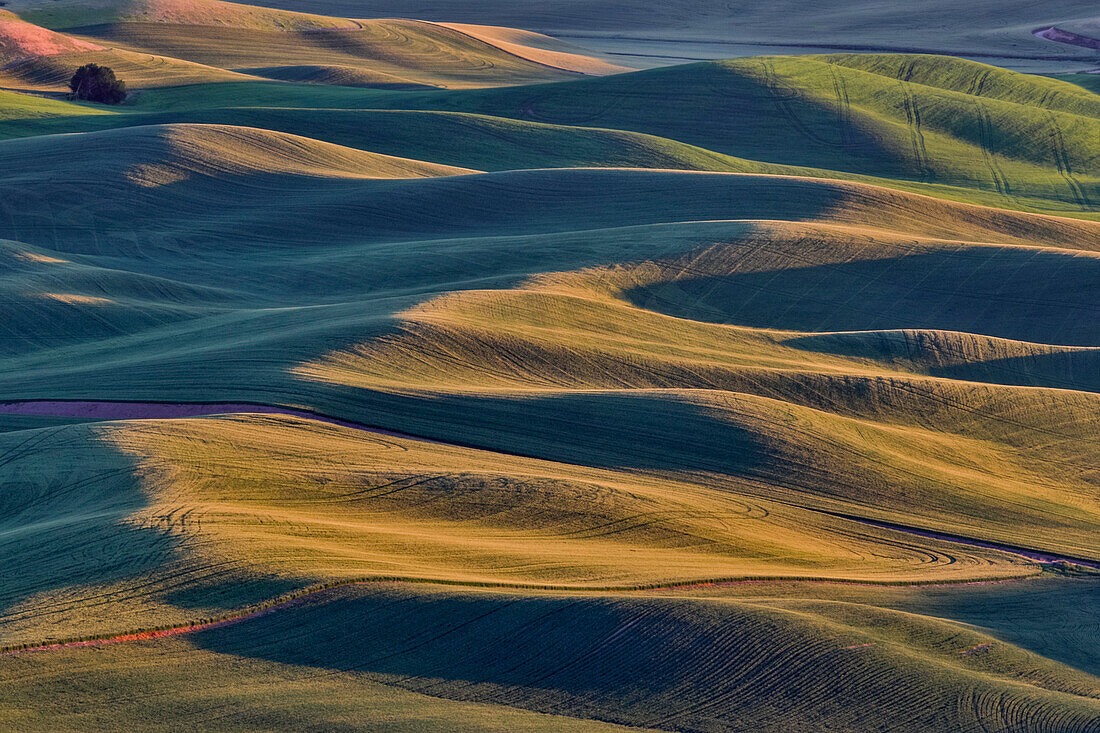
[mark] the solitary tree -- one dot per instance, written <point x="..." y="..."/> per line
<point x="96" y="83"/>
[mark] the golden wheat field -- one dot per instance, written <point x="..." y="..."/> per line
<point x="505" y="366"/>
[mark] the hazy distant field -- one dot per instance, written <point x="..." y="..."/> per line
<point x="408" y="368"/>
<point x="647" y="34"/>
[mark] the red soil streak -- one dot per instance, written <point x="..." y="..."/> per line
<point x="144" y="635"/>
<point x="189" y="628"/>
<point x="977" y="649"/>
<point x="1053" y="33"/>
<point x="860" y="646"/>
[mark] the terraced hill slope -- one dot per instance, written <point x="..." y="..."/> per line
<point x="755" y="394"/>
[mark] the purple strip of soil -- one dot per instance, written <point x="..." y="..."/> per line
<point x="1058" y="35"/>
<point x="106" y="410"/>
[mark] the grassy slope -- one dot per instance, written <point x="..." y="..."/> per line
<point x="225" y="691"/>
<point x="943" y="126"/>
<point x="654" y="663"/>
<point x="987" y="25"/>
<point x="183" y="152"/>
<point x="22" y="109"/>
<point x="481" y="141"/>
<point x="51" y="74"/>
<point x="145" y="299"/>
<point x="205" y="41"/>
<point x="69" y="14"/>
<point x="34" y="58"/>
<point x="1087" y="81"/>
<point x="651" y="34"/>
<point x="195" y="528"/>
<point x="706" y="368"/>
<point x="1011" y="612"/>
<point x="452" y="138"/>
<point x="905" y="117"/>
<point x="538" y="48"/>
<point x="403" y="51"/>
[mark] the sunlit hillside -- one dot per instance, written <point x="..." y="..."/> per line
<point x="427" y="373"/>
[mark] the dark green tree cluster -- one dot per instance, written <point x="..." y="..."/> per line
<point x="94" y="83"/>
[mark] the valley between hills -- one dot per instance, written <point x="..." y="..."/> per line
<point x="469" y="367"/>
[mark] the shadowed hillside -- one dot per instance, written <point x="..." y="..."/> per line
<point x="659" y="664"/>
<point x="574" y="364"/>
<point x="754" y="394"/>
<point x="942" y="126"/>
<point x="914" y="117"/>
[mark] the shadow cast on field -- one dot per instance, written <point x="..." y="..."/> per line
<point x="1078" y="370"/>
<point x="63" y="523"/>
<point x="1041" y="297"/>
<point x="599" y="658"/>
<point x="1055" y="618"/>
<point x="69" y="548"/>
<point x="957" y="356"/>
<point x="640" y="429"/>
<point x="673" y="664"/>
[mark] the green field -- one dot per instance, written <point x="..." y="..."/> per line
<point x="656" y="34"/>
<point x="934" y="125"/>
<point x="454" y="378"/>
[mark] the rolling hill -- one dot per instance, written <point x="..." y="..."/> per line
<point x="485" y="659"/>
<point x="655" y="34"/>
<point x="945" y="127"/>
<point x="387" y="53"/>
<point x="904" y="117"/>
<point x="460" y="335"/>
<point x="752" y="394"/>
